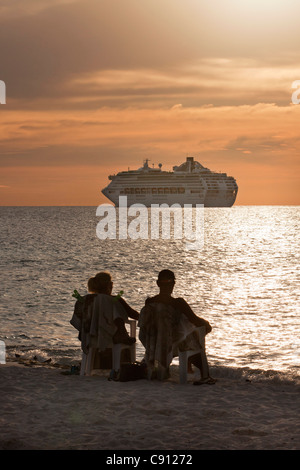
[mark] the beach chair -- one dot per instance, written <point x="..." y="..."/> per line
<point x="163" y="334"/>
<point x="184" y="356"/>
<point x="87" y="362"/>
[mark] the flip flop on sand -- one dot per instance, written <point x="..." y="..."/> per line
<point x="208" y="380"/>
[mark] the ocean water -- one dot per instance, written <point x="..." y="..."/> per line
<point x="244" y="281"/>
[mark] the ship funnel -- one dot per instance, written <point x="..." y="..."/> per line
<point x="190" y="163"/>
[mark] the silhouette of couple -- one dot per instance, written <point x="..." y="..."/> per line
<point x="177" y="321"/>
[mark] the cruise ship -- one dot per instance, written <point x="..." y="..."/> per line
<point x="188" y="183"/>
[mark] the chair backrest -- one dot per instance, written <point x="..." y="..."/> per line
<point x="100" y="329"/>
<point x="157" y="332"/>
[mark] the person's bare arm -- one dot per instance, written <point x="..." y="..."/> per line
<point x="129" y="310"/>
<point x="191" y="316"/>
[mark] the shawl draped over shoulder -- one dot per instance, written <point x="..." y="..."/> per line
<point x="163" y="332"/>
<point x="94" y="317"/>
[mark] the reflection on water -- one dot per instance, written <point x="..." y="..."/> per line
<point x="244" y="281"/>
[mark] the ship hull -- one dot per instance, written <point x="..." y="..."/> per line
<point x="220" y="200"/>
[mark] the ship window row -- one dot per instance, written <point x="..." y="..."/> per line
<point x="153" y="191"/>
<point x="211" y="192"/>
<point x="215" y="192"/>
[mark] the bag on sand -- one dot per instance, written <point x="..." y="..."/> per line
<point x="132" y="371"/>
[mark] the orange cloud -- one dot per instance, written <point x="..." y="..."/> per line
<point x="253" y="143"/>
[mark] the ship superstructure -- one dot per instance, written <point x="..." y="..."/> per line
<point x="189" y="183"/>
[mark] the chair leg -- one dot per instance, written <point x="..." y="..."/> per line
<point x="83" y="364"/>
<point x="132" y="353"/>
<point x="133" y="335"/>
<point x="149" y="372"/>
<point x="87" y="362"/>
<point x="116" y="356"/>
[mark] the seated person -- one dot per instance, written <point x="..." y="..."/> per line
<point x="102" y="284"/>
<point x="176" y="323"/>
<point x="113" y="325"/>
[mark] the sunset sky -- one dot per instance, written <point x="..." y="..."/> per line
<point x="96" y="86"/>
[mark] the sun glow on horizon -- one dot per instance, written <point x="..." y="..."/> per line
<point x="158" y="81"/>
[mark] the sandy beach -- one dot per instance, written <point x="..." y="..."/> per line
<point x="44" y="407"/>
